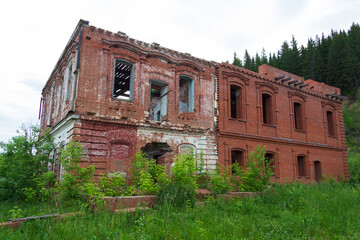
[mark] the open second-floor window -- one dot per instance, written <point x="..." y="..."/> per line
<point x="69" y="82"/>
<point x="123" y="80"/>
<point x="186" y="94"/>
<point x="298" y="116"/>
<point x="235" y="102"/>
<point x="330" y="123"/>
<point x="267" y="111"/>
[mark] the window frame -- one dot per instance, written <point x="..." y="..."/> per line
<point x="304" y="167"/>
<point x="270" y="116"/>
<point x="296" y="97"/>
<point x="131" y="84"/>
<point x="243" y="157"/>
<point x="191" y="90"/>
<point x="331" y="129"/>
<point x="241" y="98"/>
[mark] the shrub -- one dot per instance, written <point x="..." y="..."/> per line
<point x="146" y="174"/>
<point x="76" y="180"/>
<point x="184" y="170"/>
<point x="220" y="182"/>
<point x="113" y="184"/>
<point x="257" y="174"/>
<point x="23" y="160"/>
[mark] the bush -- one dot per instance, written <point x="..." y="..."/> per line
<point x="23" y="160"/>
<point x="257" y="173"/>
<point x="220" y="182"/>
<point x="184" y="171"/>
<point x="146" y="174"/>
<point x="76" y="181"/>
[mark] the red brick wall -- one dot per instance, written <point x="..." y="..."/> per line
<point x="281" y="137"/>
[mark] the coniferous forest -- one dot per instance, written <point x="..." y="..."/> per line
<point x="333" y="59"/>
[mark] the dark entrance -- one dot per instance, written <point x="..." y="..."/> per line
<point x="318" y="173"/>
<point x="156" y="150"/>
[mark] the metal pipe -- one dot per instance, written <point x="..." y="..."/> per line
<point x="330" y="94"/>
<point x="297" y="84"/>
<point x="278" y="78"/>
<point x="291" y="82"/>
<point x="286" y="79"/>
<point x="304" y="85"/>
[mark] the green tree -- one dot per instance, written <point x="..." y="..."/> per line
<point x="23" y="160"/>
<point x="237" y="61"/>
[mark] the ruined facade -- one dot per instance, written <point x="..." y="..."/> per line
<point x="117" y="95"/>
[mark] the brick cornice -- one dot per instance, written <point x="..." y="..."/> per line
<point x="279" y="140"/>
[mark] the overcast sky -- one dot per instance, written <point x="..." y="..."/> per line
<point x="34" y="33"/>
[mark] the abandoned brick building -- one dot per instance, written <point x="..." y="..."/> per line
<point x="117" y="95"/>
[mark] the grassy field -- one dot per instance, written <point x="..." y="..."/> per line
<point x="321" y="211"/>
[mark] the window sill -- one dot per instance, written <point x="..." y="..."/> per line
<point x="122" y="100"/>
<point x="300" y="130"/>
<point x="237" y="119"/>
<point x="332" y="136"/>
<point x="269" y="125"/>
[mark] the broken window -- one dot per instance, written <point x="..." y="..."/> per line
<point x="267" y="108"/>
<point x="123" y="84"/>
<point x="235" y="102"/>
<point x="158" y="100"/>
<point x="301" y="166"/>
<point x="237" y="157"/>
<point x="298" y="116"/>
<point x="69" y="82"/>
<point x="186" y="94"/>
<point x="270" y="161"/>
<point x="330" y="122"/>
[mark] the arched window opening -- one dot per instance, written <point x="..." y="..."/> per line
<point x="235" y="102"/>
<point x="298" y="116"/>
<point x="331" y="123"/>
<point x="270" y="161"/>
<point x="301" y="163"/>
<point x="237" y="157"/>
<point x="267" y="108"/>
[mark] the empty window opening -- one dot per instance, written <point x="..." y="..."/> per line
<point x="69" y="82"/>
<point x="298" y="118"/>
<point x="267" y="108"/>
<point x="235" y="102"/>
<point x="301" y="166"/>
<point x="186" y="94"/>
<point x="270" y="161"/>
<point x="330" y="121"/>
<point x="122" y="80"/>
<point x="238" y="158"/>
<point x="318" y="172"/>
<point x="158" y="100"/>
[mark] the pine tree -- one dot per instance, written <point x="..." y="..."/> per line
<point x="237" y="61"/>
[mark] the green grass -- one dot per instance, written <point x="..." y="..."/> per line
<point x="321" y="211"/>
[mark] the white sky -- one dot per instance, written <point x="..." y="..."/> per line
<point x="34" y="33"/>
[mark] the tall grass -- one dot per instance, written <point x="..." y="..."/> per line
<point x="327" y="210"/>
